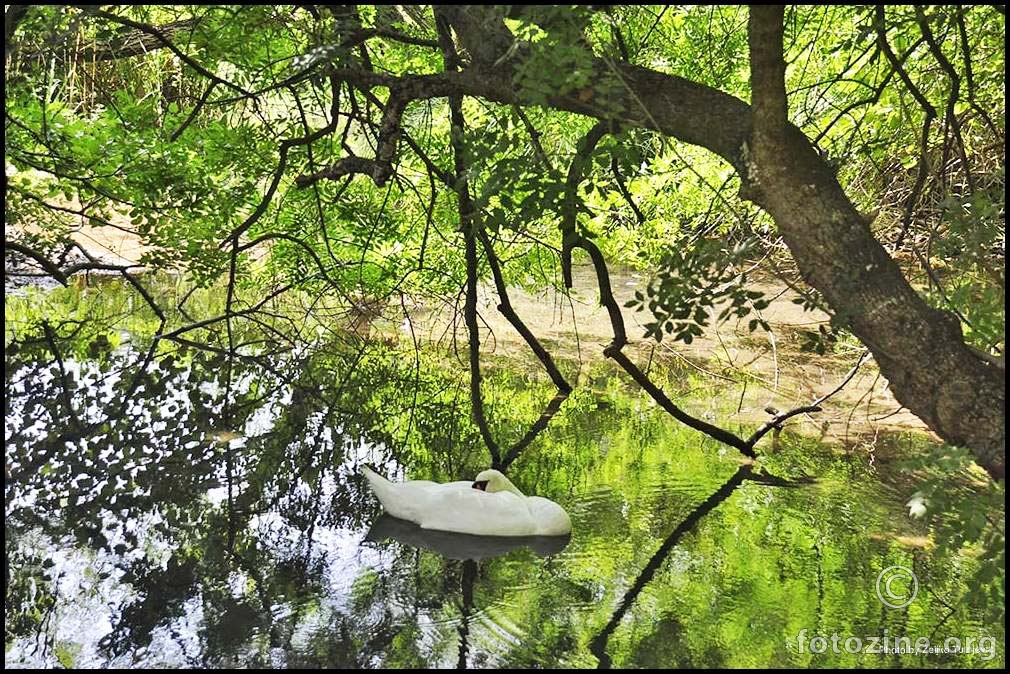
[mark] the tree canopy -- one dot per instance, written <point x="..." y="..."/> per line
<point x="374" y="153"/>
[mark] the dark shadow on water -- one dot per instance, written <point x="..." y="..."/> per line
<point x="746" y="472"/>
<point x="466" y="588"/>
<point x="461" y="546"/>
<point x="469" y="548"/>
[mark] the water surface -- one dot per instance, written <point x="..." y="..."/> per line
<point x="205" y="511"/>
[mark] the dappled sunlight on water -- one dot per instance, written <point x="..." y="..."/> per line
<point x="202" y="523"/>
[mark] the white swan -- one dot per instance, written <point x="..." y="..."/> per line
<point x="489" y="506"/>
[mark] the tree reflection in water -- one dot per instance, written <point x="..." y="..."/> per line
<point x="171" y="519"/>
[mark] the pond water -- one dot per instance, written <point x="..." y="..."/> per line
<point x="194" y="510"/>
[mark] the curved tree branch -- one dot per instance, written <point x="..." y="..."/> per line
<point x="43" y="261"/>
<point x="469" y="226"/>
<point x="623" y="189"/>
<point x="194" y="112"/>
<point x="929" y="114"/>
<point x="951" y="120"/>
<point x="920" y="350"/>
<point x="571" y="239"/>
<point x="969" y="76"/>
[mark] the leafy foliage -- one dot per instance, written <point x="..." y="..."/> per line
<point x="964" y="508"/>
<point x="236" y="368"/>
<point x="136" y="138"/>
<point x="686" y="289"/>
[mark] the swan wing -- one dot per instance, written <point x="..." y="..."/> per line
<point x="472" y="511"/>
<point x="406" y="500"/>
<point x="550" y="518"/>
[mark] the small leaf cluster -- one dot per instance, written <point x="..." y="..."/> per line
<point x="695" y="283"/>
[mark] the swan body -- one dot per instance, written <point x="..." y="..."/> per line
<point x="489" y="506"/>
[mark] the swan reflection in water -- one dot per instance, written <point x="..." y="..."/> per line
<point x="461" y="546"/>
<point x="468" y="547"/>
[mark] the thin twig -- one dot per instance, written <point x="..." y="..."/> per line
<point x="815" y="406"/>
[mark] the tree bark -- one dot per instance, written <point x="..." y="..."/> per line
<point x="919" y="349"/>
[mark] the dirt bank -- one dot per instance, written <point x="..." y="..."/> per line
<point x="755" y="370"/>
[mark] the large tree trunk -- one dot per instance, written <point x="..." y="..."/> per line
<point x="919" y="349"/>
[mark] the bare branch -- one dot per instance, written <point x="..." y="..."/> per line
<point x="615" y="29"/>
<point x="282" y="163"/>
<point x="572" y="239"/>
<point x="955" y="90"/>
<point x="468" y="226"/>
<point x="389" y="135"/>
<point x="815" y="406"/>
<point x="929" y="113"/>
<point x="536" y="429"/>
<point x="43" y="261"/>
<point x="623" y="189"/>
<point x="845" y="380"/>
<point x="505" y="307"/>
<point x="194" y="112"/>
<point x="767" y="68"/>
<point x="969" y="74"/>
<point x="534" y="135"/>
<point x="359" y="36"/>
<point x="342" y="167"/>
<point x="874" y="96"/>
<point x="270" y="236"/>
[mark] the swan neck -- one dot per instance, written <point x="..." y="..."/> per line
<point x="512" y="488"/>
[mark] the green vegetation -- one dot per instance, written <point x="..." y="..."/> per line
<point x="184" y="522"/>
<point x="309" y="148"/>
<point x="286" y="234"/>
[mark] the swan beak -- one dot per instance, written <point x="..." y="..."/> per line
<point x="482" y="485"/>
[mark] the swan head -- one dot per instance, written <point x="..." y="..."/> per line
<point x="492" y="481"/>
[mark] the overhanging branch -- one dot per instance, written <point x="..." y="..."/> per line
<point x="468" y="226"/>
<point x="572" y="239"/>
<point x="44" y="262"/>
